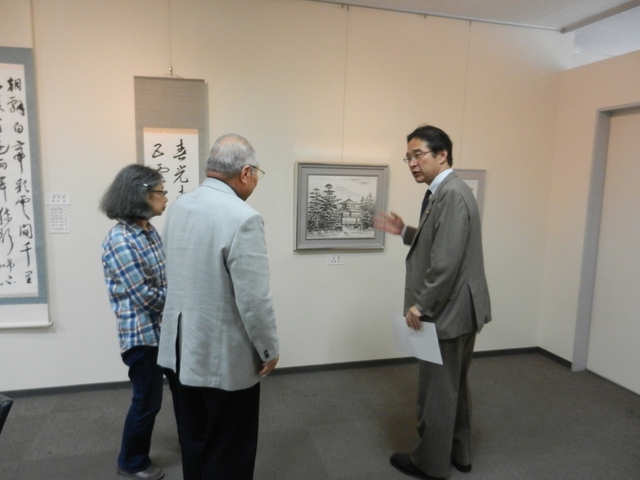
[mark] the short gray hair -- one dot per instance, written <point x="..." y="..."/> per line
<point x="229" y="154"/>
<point x="127" y="196"/>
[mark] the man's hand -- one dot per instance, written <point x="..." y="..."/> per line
<point x="413" y="318"/>
<point x="388" y="223"/>
<point x="266" y="369"/>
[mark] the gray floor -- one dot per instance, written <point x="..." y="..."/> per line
<point x="533" y="419"/>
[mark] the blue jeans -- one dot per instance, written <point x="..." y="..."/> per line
<point x="146" y="376"/>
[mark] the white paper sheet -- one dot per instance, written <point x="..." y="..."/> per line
<point x="422" y="344"/>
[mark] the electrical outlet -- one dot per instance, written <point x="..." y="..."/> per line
<point x="335" y="259"/>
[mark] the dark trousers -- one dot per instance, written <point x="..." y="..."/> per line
<point x="444" y="408"/>
<point x="218" y="431"/>
<point x="146" y="378"/>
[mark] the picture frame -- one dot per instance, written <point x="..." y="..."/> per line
<point x="476" y="181"/>
<point x="336" y="203"/>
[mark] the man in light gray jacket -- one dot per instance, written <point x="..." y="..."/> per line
<point x="218" y="332"/>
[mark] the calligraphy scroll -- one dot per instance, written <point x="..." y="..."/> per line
<point x="22" y="278"/>
<point x="18" y="258"/>
<point x="174" y="153"/>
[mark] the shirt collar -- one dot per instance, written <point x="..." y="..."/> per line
<point x="137" y="229"/>
<point x="438" y="180"/>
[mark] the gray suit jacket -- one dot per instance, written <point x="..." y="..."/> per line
<point x="219" y="306"/>
<point x="445" y="277"/>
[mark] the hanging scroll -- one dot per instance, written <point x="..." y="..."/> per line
<point x="18" y="258"/>
<point x="22" y="263"/>
<point x="172" y="133"/>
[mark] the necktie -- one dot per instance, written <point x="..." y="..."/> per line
<point x="424" y="202"/>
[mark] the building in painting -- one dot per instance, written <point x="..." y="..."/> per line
<point x="349" y="213"/>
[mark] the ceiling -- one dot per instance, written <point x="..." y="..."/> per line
<point x="603" y="28"/>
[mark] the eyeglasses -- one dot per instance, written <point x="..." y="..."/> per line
<point x="260" y="172"/>
<point x="148" y="187"/>
<point x="415" y="156"/>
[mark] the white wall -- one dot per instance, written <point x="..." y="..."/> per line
<point x="304" y="81"/>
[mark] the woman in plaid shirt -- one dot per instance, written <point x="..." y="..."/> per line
<point x="134" y="270"/>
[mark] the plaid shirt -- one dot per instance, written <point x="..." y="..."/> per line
<point x="134" y="270"/>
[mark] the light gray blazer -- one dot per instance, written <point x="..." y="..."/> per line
<point x="445" y="276"/>
<point x="219" y="309"/>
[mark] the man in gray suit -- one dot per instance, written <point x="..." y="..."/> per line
<point x="218" y="333"/>
<point x="445" y="284"/>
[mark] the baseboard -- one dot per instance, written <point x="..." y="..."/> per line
<point x="409" y="360"/>
<point x="90" y="387"/>
<point x="521" y="351"/>
<point x="554" y="357"/>
<point x="289" y="370"/>
<point x="344" y="365"/>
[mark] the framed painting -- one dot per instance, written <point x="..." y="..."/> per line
<point x="475" y="179"/>
<point x="336" y="203"/>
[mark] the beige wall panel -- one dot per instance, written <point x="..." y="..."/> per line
<point x="398" y="77"/>
<point x="15" y="24"/>
<point x="304" y="81"/>
<point x="509" y="116"/>
<point x="583" y="91"/>
<point x="86" y="55"/>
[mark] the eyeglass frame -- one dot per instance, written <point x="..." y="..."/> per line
<point x="415" y="156"/>
<point x="149" y="189"/>
<point x="261" y="173"/>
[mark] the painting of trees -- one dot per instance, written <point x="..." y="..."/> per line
<point x="314" y="212"/>
<point x="330" y="214"/>
<point x="336" y="205"/>
<point x="368" y="208"/>
<point x="322" y="212"/>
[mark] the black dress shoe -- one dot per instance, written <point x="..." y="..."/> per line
<point x="402" y="461"/>
<point x="461" y="468"/>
